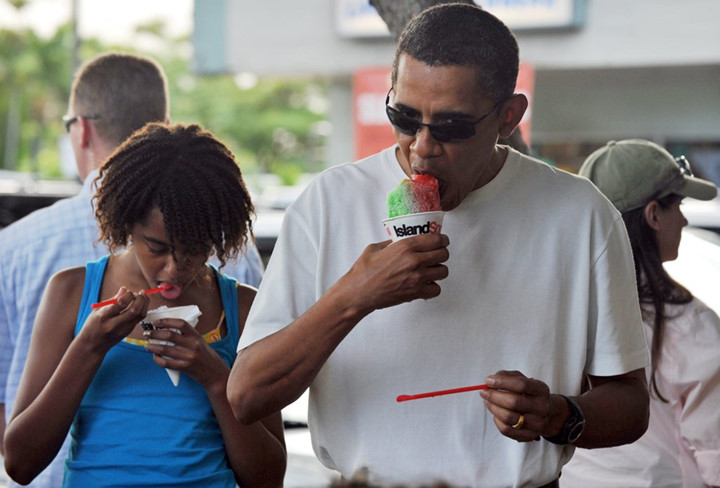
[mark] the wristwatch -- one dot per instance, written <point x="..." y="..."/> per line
<point x="573" y="426"/>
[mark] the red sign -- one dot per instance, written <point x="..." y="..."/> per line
<point x="373" y="131"/>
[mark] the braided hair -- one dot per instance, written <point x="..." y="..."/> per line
<point x="190" y="176"/>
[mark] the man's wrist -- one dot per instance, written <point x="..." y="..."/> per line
<point x="561" y="412"/>
<point x="573" y="425"/>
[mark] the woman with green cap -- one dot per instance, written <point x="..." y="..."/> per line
<point x="682" y="444"/>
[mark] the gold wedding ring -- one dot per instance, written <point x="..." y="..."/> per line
<point x="519" y="423"/>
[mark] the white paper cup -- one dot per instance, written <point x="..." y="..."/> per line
<point x="414" y="224"/>
<point x="189" y="313"/>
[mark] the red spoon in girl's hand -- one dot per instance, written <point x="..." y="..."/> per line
<point x="114" y="300"/>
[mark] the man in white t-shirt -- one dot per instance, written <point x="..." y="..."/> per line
<point x="538" y="291"/>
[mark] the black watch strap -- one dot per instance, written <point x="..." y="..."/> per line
<point x="572" y="428"/>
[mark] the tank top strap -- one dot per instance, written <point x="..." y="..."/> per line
<point x="94" y="273"/>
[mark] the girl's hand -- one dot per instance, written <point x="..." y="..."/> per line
<point x="189" y="354"/>
<point x="108" y="325"/>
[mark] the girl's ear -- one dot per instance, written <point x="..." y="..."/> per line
<point x="651" y="213"/>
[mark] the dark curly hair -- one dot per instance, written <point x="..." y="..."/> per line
<point x="190" y="176"/>
<point x="459" y="34"/>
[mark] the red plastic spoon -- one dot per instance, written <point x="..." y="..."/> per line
<point x="113" y="300"/>
<point x="404" y="398"/>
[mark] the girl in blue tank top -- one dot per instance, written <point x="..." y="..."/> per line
<point x="168" y="198"/>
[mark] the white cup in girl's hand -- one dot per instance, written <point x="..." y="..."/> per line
<point x="189" y="313"/>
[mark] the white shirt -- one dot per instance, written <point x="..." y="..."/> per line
<point x="681" y="447"/>
<point x="540" y="280"/>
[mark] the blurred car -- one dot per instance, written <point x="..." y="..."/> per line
<point x="266" y="229"/>
<point x="702" y="214"/>
<point x="22" y="193"/>
<point x="698" y="265"/>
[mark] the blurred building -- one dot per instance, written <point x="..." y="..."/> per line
<point x="603" y="69"/>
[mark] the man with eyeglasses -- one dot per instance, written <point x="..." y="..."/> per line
<point x="538" y="292"/>
<point x="112" y="95"/>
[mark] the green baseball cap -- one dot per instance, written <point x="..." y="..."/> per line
<point x="633" y="172"/>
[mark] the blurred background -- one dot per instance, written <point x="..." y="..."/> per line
<point x="294" y="87"/>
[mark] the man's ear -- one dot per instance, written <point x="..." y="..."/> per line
<point x="86" y="131"/>
<point x="512" y="113"/>
<point x="651" y="214"/>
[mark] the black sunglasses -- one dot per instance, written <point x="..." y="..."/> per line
<point x="684" y="165"/>
<point x="455" y="130"/>
<point x="69" y="120"/>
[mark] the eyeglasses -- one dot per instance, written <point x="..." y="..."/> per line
<point x="684" y="165"/>
<point x="455" y="130"/>
<point x="69" y="120"/>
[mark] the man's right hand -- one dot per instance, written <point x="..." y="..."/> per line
<point x="275" y="371"/>
<point x="389" y="273"/>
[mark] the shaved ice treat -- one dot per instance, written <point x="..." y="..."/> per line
<point x="419" y="194"/>
<point x="414" y="208"/>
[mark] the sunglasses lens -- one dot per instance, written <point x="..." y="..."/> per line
<point x="402" y="122"/>
<point x="452" y="131"/>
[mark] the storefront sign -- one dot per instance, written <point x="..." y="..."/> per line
<point x="357" y="18"/>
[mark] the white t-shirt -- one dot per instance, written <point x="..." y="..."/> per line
<point x="681" y="447"/>
<point x="540" y="280"/>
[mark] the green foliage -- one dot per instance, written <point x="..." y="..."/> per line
<point x="268" y="126"/>
<point x="289" y="171"/>
<point x="271" y="119"/>
<point x="34" y="83"/>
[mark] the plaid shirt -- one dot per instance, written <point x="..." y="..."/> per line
<point x="31" y="251"/>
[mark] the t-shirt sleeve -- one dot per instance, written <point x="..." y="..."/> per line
<point x="616" y="340"/>
<point x="288" y="286"/>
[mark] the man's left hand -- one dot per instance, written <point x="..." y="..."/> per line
<point x="523" y="408"/>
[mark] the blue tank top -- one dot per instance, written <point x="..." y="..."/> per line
<point x="134" y="428"/>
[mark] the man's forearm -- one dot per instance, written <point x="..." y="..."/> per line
<point x="616" y="410"/>
<point x="275" y="371"/>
